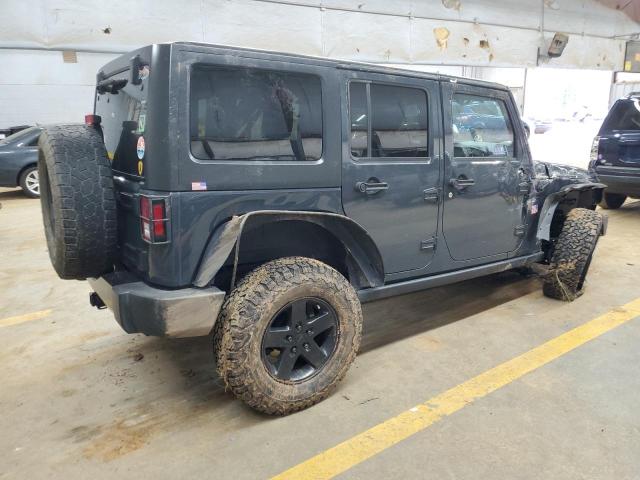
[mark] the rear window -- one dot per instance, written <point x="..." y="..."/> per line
<point x="625" y="115"/>
<point x="398" y="121"/>
<point x="20" y="136"/>
<point x="123" y="111"/>
<point x="252" y="114"/>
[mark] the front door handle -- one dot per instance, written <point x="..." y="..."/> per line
<point x="371" y="186"/>
<point x="461" y="183"/>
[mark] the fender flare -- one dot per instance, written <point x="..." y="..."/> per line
<point x="360" y="247"/>
<point x="553" y="200"/>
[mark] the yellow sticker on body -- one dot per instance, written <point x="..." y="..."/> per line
<point x="140" y="167"/>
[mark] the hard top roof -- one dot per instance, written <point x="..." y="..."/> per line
<point x="118" y="63"/>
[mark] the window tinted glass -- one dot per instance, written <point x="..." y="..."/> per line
<point x="359" y="119"/>
<point x="18" y="136"/>
<point x="399" y="121"/>
<point x="481" y="127"/>
<point x="625" y="115"/>
<point x="123" y="114"/>
<point x="239" y="113"/>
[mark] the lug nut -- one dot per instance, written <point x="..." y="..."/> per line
<point x="294" y="350"/>
<point x="289" y="338"/>
<point x="310" y="331"/>
<point x="298" y="328"/>
<point x="306" y="347"/>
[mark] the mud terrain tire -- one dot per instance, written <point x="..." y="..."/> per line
<point x="611" y="201"/>
<point x="78" y="201"/>
<point x="572" y="254"/>
<point x="247" y="317"/>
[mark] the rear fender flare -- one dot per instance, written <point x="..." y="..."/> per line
<point x="360" y="247"/>
<point x="553" y="200"/>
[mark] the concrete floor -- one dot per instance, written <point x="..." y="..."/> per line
<point x="78" y="401"/>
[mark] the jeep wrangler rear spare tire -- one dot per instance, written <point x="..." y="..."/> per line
<point x="572" y="254"/>
<point x="78" y="201"/>
<point x="287" y="334"/>
<point x="611" y="201"/>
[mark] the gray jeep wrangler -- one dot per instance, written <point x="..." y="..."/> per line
<point x="261" y="197"/>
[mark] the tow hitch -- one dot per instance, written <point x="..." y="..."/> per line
<point x="96" y="301"/>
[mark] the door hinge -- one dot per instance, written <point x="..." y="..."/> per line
<point x="429" y="244"/>
<point x="520" y="230"/>
<point x="432" y="195"/>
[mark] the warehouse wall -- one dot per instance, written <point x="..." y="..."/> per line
<point x="474" y="32"/>
<point x="36" y="86"/>
<point x="39" y="87"/>
<point x="625" y="83"/>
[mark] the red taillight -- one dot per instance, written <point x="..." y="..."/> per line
<point x="158" y="209"/>
<point x="92" y="120"/>
<point x="145" y="207"/>
<point x="153" y="219"/>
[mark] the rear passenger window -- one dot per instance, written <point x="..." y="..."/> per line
<point x="398" y="121"/>
<point x="251" y="114"/>
<point x="481" y="127"/>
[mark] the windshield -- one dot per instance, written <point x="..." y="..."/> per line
<point x="625" y="115"/>
<point x="18" y="135"/>
<point x="122" y="107"/>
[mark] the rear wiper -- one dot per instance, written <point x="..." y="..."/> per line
<point x="110" y="86"/>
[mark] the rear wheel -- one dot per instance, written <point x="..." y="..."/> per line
<point x="612" y="201"/>
<point x="287" y="334"/>
<point x="572" y="254"/>
<point x="29" y="182"/>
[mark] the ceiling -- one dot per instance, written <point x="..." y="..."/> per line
<point x="630" y="7"/>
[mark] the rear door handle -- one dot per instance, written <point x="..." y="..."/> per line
<point x="461" y="183"/>
<point x="370" y="187"/>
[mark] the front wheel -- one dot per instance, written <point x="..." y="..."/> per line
<point x="287" y="334"/>
<point x="572" y="254"/>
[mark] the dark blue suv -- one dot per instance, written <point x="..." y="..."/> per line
<point x="260" y="197"/>
<point x="615" y="156"/>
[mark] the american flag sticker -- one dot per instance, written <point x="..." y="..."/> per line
<point x="198" y="185"/>
<point x="534" y="208"/>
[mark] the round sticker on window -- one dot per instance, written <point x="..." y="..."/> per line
<point x="140" y="148"/>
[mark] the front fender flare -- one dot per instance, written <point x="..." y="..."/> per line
<point x="553" y="200"/>
<point x="356" y="241"/>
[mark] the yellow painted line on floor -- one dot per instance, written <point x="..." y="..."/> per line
<point x="384" y="435"/>
<point x="5" y="322"/>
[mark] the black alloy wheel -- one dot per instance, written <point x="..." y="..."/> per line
<point x="300" y="339"/>
<point x="287" y="334"/>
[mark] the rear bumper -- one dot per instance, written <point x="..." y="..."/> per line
<point x="625" y="184"/>
<point x="141" y="308"/>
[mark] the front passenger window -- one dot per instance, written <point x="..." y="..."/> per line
<point x="481" y="127"/>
